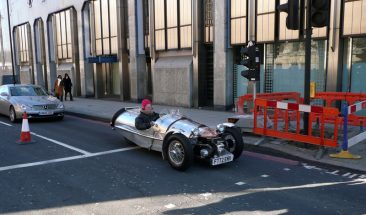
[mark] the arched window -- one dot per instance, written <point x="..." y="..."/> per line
<point x="22" y="33"/>
<point x="104" y="27"/>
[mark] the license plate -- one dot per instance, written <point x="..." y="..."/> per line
<point x="46" y="113"/>
<point x="222" y="159"/>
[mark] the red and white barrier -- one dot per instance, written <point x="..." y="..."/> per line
<point x="356" y="107"/>
<point x="295" y="107"/>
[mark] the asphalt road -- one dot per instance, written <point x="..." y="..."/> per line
<point x="79" y="166"/>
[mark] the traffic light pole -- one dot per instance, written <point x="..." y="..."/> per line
<point x="307" y="64"/>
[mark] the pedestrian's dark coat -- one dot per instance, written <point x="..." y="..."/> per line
<point x="143" y="120"/>
<point x="67" y="84"/>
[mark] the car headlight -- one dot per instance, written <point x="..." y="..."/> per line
<point x="60" y="105"/>
<point x="25" y="107"/>
<point x="195" y="132"/>
<point x="220" y="128"/>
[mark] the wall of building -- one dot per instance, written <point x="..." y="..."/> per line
<point x="178" y="74"/>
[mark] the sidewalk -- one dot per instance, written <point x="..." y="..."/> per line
<point x="103" y="110"/>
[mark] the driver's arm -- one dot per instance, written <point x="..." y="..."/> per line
<point x="156" y="116"/>
<point x="141" y="125"/>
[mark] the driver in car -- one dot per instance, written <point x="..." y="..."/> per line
<point x="146" y="117"/>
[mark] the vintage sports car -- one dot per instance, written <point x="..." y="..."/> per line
<point x="181" y="139"/>
<point x="19" y="98"/>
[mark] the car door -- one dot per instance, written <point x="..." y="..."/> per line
<point x="2" y="100"/>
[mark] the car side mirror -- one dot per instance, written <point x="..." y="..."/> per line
<point x="4" y="94"/>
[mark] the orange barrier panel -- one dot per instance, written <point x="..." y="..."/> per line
<point x="269" y="96"/>
<point x="315" y="113"/>
<point x="351" y="98"/>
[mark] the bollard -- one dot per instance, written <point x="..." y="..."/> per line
<point x="345" y="127"/>
<point x="344" y="152"/>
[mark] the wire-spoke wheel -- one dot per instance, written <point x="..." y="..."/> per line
<point x="179" y="152"/>
<point x="233" y="141"/>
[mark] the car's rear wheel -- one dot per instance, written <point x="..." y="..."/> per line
<point x="233" y="141"/>
<point x="179" y="152"/>
<point x="12" y="115"/>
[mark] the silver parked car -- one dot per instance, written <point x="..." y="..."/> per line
<point x="181" y="139"/>
<point x="34" y="100"/>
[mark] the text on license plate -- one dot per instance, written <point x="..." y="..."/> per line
<point x="44" y="113"/>
<point x="222" y="159"/>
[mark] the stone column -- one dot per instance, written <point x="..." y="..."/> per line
<point x="80" y="33"/>
<point x="335" y="49"/>
<point x="50" y="53"/>
<point x="223" y="58"/>
<point x="138" y="72"/>
<point x="122" y="53"/>
<point x="76" y="30"/>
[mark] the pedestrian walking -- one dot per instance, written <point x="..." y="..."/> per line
<point x="59" y="87"/>
<point x="67" y="85"/>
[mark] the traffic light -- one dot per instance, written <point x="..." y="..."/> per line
<point x="250" y="59"/>
<point x="292" y="9"/>
<point x="319" y="13"/>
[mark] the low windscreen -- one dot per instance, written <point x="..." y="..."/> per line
<point x="27" y="91"/>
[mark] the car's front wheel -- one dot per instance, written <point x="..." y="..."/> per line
<point x="233" y="141"/>
<point x="179" y="152"/>
<point x="12" y="115"/>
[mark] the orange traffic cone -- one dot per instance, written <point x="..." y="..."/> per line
<point x="25" y="136"/>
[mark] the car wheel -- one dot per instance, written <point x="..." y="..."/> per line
<point x="233" y="141"/>
<point x="179" y="152"/>
<point x="12" y="115"/>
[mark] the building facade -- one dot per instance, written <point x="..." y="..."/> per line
<point x="178" y="52"/>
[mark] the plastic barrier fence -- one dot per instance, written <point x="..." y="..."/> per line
<point x="269" y="109"/>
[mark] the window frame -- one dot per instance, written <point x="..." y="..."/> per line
<point x="23" y="45"/>
<point x="178" y="26"/>
<point x="237" y="18"/>
<point x="208" y="22"/>
<point x="65" y="42"/>
<point x="105" y="31"/>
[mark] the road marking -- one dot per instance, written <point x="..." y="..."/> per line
<point x="170" y="206"/>
<point x="286" y="169"/>
<point x="306" y="166"/>
<point x="264" y="176"/>
<point x="61" y="144"/>
<point x="362" y="176"/>
<point x="206" y="194"/>
<point x="18" y="166"/>
<point x="240" y="183"/>
<point x="352" y="176"/>
<point x="347" y="174"/>
<point x="6" y="124"/>
<point x="333" y="173"/>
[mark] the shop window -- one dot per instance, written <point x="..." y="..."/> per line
<point x="289" y="66"/>
<point x="358" y="67"/>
